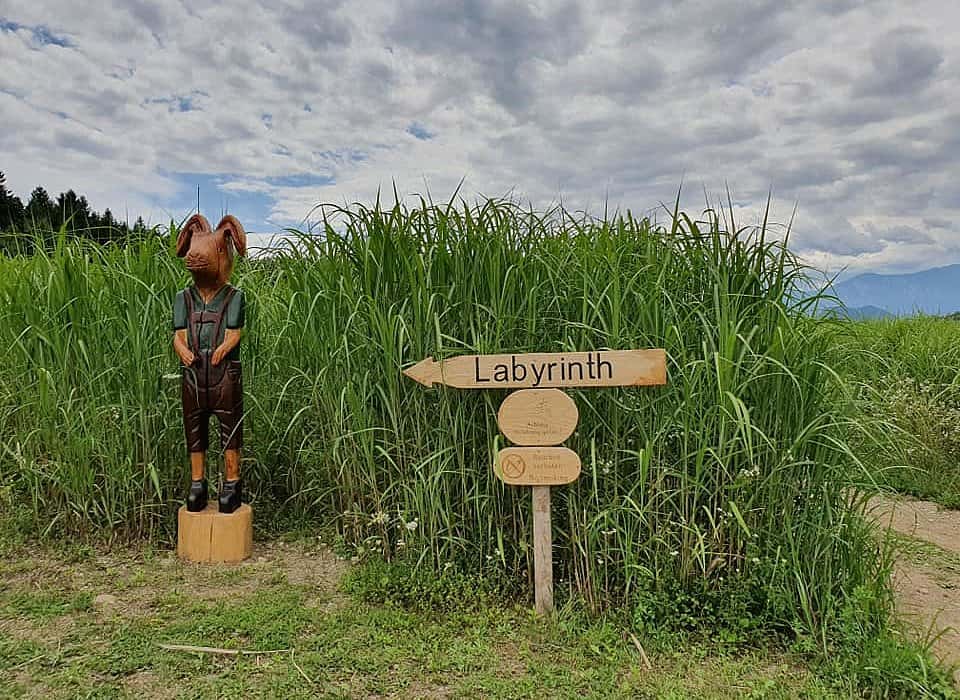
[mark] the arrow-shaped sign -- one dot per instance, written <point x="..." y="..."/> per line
<point x="546" y="369"/>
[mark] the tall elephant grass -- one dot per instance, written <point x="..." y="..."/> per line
<point x="726" y="485"/>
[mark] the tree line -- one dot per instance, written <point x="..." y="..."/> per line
<point x="23" y="227"/>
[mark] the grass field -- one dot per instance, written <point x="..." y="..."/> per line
<point x="719" y="506"/>
<point x="903" y="380"/>
<point x="59" y="639"/>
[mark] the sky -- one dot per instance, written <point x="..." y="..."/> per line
<point x="847" y="111"/>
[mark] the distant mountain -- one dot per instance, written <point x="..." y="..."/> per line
<point x="935" y="291"/>
<point x="855" y="313"/>
<point x="860" y="313"/>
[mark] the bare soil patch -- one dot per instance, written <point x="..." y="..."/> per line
<point x="136" y="584"/>
<point x="44" y="632"/>
<point x="923" y="519"/>
<point x="931" y="607"/>
<point x="146" y="684"/>
<point x="927" y="590"/>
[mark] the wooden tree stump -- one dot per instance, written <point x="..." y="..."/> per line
<point x="212" y="536"/>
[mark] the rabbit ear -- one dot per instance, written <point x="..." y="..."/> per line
<point x="195" y="224"/>
<point x="234" y="230"/>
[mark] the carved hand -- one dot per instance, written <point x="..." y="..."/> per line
<point x="182" y="349"/>
<point x="186" y="356"/>
<point x="231" y="338"/>
<point x="219" y="354"/>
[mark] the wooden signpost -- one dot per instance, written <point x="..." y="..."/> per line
<point x="538" y="466"/>
<point x="546" y="369"/>
<point x="539" y="417"/>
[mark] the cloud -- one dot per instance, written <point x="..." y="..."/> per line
<point x="936" y="222"/>
<point x="848" y="110"/>
<point x="904" y="60"/>
<point x="497" y="43"/>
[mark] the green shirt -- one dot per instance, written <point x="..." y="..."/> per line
<point x="233" y="318"/>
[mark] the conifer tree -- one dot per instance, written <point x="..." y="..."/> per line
<point x="11" y="209"/>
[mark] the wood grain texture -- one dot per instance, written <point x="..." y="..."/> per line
<point x="211" y="536"/>
<point x="537" y="466"/>
<point x="538" y="417"/>
<point x="545" y="369"/>
<point x="542" y="550"/>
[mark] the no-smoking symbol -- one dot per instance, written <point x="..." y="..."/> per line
<point x="513" y="466"/>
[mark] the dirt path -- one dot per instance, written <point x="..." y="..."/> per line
<point x="927" y="574"/>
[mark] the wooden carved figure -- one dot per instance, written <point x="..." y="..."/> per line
<point x="207" y="321"/>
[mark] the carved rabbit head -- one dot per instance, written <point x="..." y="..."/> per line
<point x="209" y="254"/>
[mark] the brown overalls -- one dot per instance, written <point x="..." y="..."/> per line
<point x="211" y="389"/>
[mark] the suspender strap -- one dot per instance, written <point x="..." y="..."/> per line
<point x="193" y="341"/>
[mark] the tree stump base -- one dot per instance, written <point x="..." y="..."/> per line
<point x="212" y="536"/>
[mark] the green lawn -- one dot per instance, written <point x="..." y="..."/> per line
<point x="59" y="638"/>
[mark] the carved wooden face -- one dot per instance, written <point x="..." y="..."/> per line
<point x="209" y="254"/>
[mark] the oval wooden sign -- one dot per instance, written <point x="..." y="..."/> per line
<point x="538" y="417"/>
<point x="537" y="466"/>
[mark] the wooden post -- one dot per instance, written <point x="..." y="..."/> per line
<point x="542" y="550"/>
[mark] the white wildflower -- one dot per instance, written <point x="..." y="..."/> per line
<point x="751" y="473"/>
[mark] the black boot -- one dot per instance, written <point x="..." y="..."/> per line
<point x="197" y="498"/>
<point x="230" y="494"/>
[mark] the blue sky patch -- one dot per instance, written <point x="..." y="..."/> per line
<point x="40" y="34"/>
<point x="177" y="103"/>
<point x="252" y="208"/>
<point x="419" y="131"/>
<point x="342" y="156"/>
<point x="302" y="180"/>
